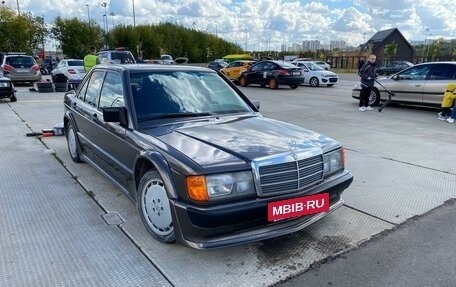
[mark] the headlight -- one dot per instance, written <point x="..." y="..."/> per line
<point x="219" y="186"/>
<point x="4" y="84"/>
<point x="333" y="162"/>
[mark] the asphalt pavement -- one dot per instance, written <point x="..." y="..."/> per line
<point x="419" y="252"/>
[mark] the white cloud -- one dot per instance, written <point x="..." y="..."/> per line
<point x="268" y="22"/>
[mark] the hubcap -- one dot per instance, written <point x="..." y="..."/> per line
<point x="72" y="143"/>
<point x="156" y="208"/>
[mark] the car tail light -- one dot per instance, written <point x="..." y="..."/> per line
<point x="71" y="71"/>
<point x="35" y="67"/>
<point x="284" y="72"/>
<point x="7" y="68"/>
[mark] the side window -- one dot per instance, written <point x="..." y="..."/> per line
<point x="94" y="87"/>
<point x="443" y="72"/>
<point x="415" y="73"/>
<point x="83" y="90"/>
<point x="112" y="92"/>
<point x="258" y="67"/>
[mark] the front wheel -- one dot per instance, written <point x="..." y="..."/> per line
<point x="13" y="98"/>
<point x="374" y="98"/>
<point x="314" y="82"/>
<point x="294" y="86"/>
<point x="243" y="81"/>
<point x="273" y="84"/>
<point x="154" y="208"/>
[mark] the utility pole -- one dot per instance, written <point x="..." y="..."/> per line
<point x="18" y="11"/>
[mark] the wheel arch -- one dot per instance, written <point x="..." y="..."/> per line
<point x="152" y="160"/>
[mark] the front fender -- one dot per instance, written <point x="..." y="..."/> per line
<point x="157" y="160"/>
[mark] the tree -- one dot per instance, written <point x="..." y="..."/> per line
<point x="391" y="50"/>
<point x="76" y="37"/>
<point x="21" y="33"/>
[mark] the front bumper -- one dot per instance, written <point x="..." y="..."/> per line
<point x="207" y="227"/>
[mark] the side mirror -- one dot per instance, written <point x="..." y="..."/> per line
<point x="395" y="77"/>
<point x="115" y="115"/>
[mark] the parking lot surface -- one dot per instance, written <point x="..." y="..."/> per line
<point x="64" y="224"/>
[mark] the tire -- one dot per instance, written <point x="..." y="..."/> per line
<point x="13" y="98"/>
<point x="243" y="81"/>
<point x="294" y="86"/>
<point x="72" y="143"/>
<point x="380" y="72"/>
<point x="154" y="208"/>
<point x="330" y="85"/>
<point x="374" y="98"/>
<point x="314" y="82"/>
<point x="272" y="83"/>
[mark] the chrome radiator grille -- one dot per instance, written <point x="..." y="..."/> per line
<point x="290" y="176"/>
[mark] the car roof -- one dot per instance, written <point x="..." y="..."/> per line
<point x="153" y="67"/>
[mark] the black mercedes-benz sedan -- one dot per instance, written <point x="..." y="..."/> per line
<point x="203" y="166"/>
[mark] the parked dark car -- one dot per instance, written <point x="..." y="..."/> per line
<point x="272" y="74"/>
<point x="394" y="67"/>
<point x="7" y="90"/>
<point x="216" y="65"/>
<point x="203" y="166"/>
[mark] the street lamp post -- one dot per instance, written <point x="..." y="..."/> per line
<point x="112" y="18"/>
<point x="424" y="45"/>
<point x="134" y="17"/>
<point x="88" y="13"/>
<point x="105" y="17"/>
<point x="18" y="11"/>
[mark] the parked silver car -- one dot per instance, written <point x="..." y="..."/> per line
<point x="20" y="67"/>
<point x="422" y="84"/>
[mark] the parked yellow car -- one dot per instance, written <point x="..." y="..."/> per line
<point x="233" y="70"/>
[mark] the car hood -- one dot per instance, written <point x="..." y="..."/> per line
<point x="239" y="140"/>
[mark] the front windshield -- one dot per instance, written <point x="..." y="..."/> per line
<point x="183" y="93"/>
<point x="314" y="67"/>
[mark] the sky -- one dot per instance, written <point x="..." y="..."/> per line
<point x="262" y="24"/>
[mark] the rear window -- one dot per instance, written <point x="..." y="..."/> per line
<point x="20" y="61"/>
<point x="122" y="57"/>
<point x="76" y="63"/>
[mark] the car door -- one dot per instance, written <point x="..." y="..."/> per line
<point x="440" y="75"/>
<point x="255" y="74"/>
<point x="84" y="110"/>
<point x="112" y="151"/>
<point x="408" y="84"/>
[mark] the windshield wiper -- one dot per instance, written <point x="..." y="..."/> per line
<point x="173" y="115"/>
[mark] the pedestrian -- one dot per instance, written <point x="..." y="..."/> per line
<point x="367" y="74"/>
<point x="91" y="59"/>
<point x="447" y="102"/>
<point x="360" y="64"/>
<point x="453" y="115"/>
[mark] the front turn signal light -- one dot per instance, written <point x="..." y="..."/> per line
<point x="196" y="188"/>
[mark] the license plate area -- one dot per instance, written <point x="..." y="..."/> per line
<point x="297" y="207"/>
